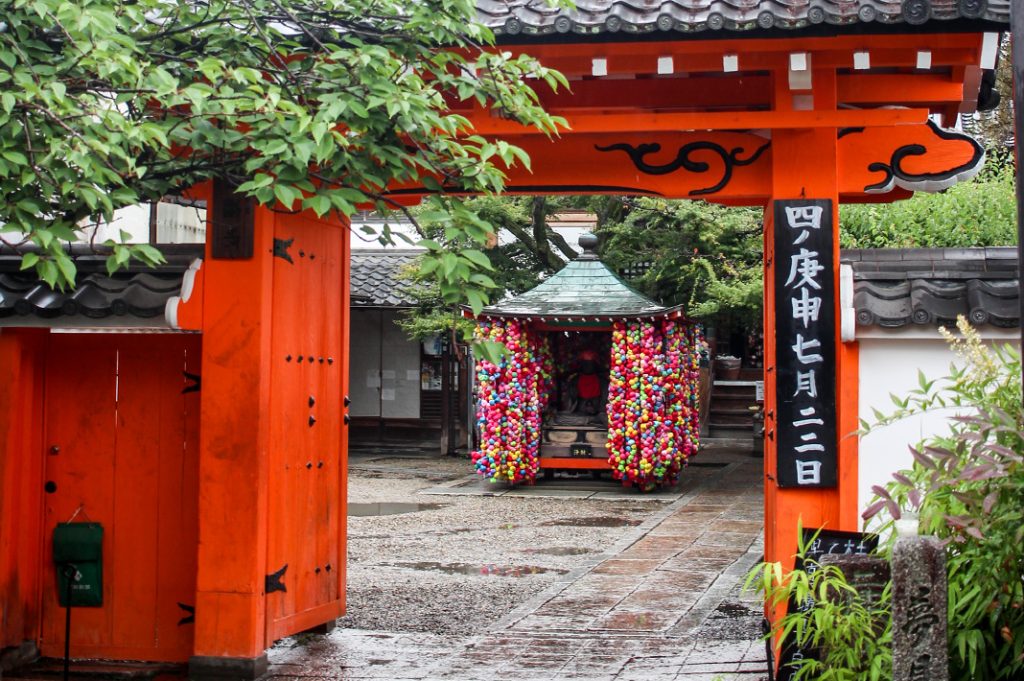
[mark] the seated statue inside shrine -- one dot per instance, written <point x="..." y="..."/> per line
<point x="584" y="389"/>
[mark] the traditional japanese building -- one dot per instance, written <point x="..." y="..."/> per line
<point x="792" y="106"/>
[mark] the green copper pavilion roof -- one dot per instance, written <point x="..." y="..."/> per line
<point x="585" y="289"/>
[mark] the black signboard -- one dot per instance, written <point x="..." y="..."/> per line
<point x="805" y="338"/>
<point x="819" y="543"/>
<point x="581" y="450"/>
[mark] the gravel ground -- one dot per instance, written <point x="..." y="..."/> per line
<point x="462" y="562"/>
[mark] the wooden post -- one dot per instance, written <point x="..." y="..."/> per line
<point x="446" y="400"/>
<point x="22" y="358"/>
<point x="804" y="166"/>
<point x="233" y="461"/>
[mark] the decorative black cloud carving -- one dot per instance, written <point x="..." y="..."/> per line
<point x="730" y="159"/>
<point x="933" y="181"/>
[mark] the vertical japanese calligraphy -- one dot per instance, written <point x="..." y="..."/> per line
<point x="805" y="353"/>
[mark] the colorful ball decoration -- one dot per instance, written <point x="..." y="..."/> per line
<point x="511" y="398"/>
<point x="652" y="401"/>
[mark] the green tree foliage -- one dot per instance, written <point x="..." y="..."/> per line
<point x="692" y="252"/>
<point x="705" y="256"/>
<point x="303" y="105"/>
<point x="982" y="212"/>
<point x="515" y="266"/>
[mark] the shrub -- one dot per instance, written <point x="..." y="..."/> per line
<point x="967" y="489"/>
<point x="850" y="634"/>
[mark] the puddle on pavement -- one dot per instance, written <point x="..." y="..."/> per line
<point x="561" y="551"/>
<point x="596" y="521"/>
<point x="388" y="508"/>
<point x="733" y="610"/>
<point x="484" y="570"/>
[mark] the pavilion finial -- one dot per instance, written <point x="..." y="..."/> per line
<point x="588" y="242"/>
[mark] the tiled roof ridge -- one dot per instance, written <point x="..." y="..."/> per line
<point x="94" y="260"/>
<point x="896" y="288"/>
<point x="374" y="277"/>
<point x="96" y="296"/>
<point x="537" y="18"/>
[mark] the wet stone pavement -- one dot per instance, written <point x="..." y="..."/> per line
<point x="662" y="601"/>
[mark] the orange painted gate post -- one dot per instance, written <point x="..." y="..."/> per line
<point x="272" y="474"/>
<point x="233" y="460"/>
<point x="806" y="167"/>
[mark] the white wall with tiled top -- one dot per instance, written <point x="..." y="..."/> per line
<point x="889" y="364"/>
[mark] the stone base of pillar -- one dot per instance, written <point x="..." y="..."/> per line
<point x="211" y="668"/>
<point x="18" y="656"/>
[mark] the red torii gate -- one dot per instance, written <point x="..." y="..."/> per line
<point x="660" y="104"/>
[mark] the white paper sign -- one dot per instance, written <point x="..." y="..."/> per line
<point x="388" y="374"/>
<point x="387" y="394"/>
<point x="412" y="375"/>
<point x="372" y="379"/>
<point x="759" y="391"/>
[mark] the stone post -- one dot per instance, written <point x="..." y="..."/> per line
<point x="867" y="574"/>
<point x="919" y="617"/>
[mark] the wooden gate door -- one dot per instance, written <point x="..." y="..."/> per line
<point x="121" y="444"/>
<point x="306" y="555"/>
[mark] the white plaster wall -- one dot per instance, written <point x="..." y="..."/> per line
<point x="131" y="219"/>
<point x="175" y="224"/>
<point x="889" y="364"/>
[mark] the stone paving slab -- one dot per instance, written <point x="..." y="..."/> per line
<point x="653" y="607"/>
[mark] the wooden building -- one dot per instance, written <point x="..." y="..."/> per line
<point x="197" y="413"/>
<point x="403" y="390"/>
<point x="793" y="106"/>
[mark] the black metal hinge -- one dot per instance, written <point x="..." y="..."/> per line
<point x="196" y="385"/>
<point x="281" y="247"/>
<point x="190" y="617"/>
<point x="275" y="581"/>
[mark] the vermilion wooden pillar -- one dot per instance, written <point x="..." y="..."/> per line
<point x="804" y="165"/>
<point x="233" y="460"/>
<point x="272" y="468"/>
<point x="22" y="355"/>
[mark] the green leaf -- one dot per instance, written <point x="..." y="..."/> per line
<point x="478" y="258"/>
<point x="476" y="300"/>
<point x="29" y="260"/>
<point x="14" y="156"/>
<point x="67" y="268"/>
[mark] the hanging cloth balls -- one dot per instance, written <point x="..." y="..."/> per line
<point x="511" y="398"/>
<point x="652" y="399"/>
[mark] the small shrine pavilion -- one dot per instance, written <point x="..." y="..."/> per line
<point x="596" y="377"/>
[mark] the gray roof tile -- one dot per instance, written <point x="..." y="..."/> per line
<point x="127" y="299"/>
<point x="379" y="277"/>
<point x="895" y="288"/>
<point x="536" y="17"/>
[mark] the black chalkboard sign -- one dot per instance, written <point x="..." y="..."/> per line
<point x="819" y="543"/>
<point x="805" y="344"/>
